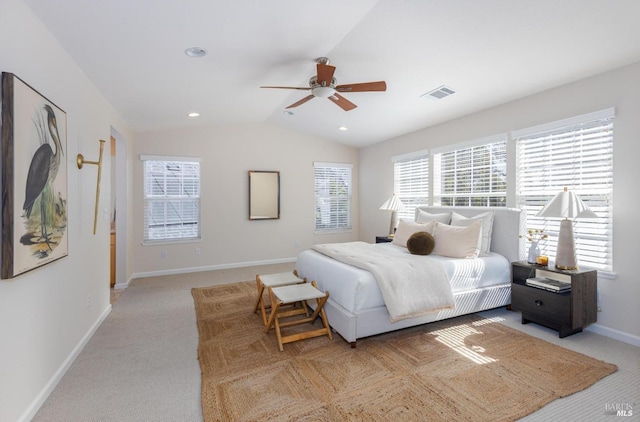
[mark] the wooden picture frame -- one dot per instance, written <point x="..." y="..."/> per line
<point x="34" y="179"/>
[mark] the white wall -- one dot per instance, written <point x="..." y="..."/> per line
<point x="620" y="89"/>
<point x="229" y="238"/>
<point x="44" y="317"/>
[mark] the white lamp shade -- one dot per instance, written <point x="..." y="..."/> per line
<point x="566" y="204"/>
<point x="392" y="204"/>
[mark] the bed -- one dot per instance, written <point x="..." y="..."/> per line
<point x="356" y="307"/>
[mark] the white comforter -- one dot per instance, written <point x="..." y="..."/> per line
<point x="411" y="285"/>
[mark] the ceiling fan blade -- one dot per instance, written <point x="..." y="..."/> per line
<point x="345" y="104"/>
<point x="287" y="87"/>
<point x="363" y="87"/>
<point x="325" y="74"/>
<point x="302" y="101"/>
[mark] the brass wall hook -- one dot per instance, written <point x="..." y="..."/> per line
<point x="80" y="161"/>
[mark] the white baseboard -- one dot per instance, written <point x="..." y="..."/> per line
<point x="120" y="286"/>
<point x="206" y="268"/>
<point x="55" y="379"/>
<point x="614" y="334"/>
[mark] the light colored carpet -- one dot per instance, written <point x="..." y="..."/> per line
<point x="467" y="369"/>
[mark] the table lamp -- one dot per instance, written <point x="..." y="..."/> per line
<point x="393" y="204"/>
<point x="566" y="205"/>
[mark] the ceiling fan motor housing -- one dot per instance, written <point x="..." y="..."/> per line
<point x="322" y="91"/>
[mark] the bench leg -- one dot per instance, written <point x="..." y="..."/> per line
<point x="260" y="291"/>
<point x="274" y="313"/>
<point x="276" y="322"/>
<point x="323" y="316"/>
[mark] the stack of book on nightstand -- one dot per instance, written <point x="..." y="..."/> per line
<point x="549" y="284"/>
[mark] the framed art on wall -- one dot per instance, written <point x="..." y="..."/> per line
<point x="34" y="179"/>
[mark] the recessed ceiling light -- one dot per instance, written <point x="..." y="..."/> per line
<point x="194" y="114"/>
<point x="288" y="112"/>
<point x="195" y="52"/>
<point x="343" y="128"/>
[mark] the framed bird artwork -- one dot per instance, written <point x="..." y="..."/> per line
<point x="34" y="179"/>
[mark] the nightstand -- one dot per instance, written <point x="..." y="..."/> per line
<point x="383" y="239"/>
<point x="568" y="312"/>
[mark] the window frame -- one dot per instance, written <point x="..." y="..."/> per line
<point x="586" y="168"/>
<point x="410" y="189"/>
<point x="191" y="198"/>
<point x="340" y="221"/>
<point x="457" y="173"/>
<point x="513" y="197"/>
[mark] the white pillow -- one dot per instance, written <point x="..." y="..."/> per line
<point x="406" y="228"/>
<point x="425" y="217"/>
<point x="487" y="227"/>
<point x="456" y="241"/>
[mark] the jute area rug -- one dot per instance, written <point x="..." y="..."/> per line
<point x="463" y="369"/>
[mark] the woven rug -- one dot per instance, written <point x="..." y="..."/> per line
<point x="464" y="369"/>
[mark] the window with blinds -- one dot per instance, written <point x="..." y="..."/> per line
<point x="578" y="154"/>
<point x="333" y="183"/>
<point x="411" y="182"/>
<point x="472" y="176"/>
<point x="171" y="199"/>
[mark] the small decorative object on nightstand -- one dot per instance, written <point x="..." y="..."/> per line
<point x="542" y="260"/>
<point x="567" y="311"/>
<point x="534" y="236"/>
<point x="534" y="251"/>
<point x="383" y="239"/>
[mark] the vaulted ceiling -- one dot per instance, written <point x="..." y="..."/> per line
<point x="490" y="52"/>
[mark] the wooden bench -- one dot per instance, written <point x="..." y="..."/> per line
<point x="292" y="294"/>
<point x="272" y="280"/>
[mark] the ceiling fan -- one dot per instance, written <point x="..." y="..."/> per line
<point x="323" y="85"/>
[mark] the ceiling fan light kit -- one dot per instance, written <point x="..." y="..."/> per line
<point x="324" y="85"/>
<point x="323" y="91"/>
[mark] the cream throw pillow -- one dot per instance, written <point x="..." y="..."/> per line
<point x="457" y="241"/>
<point x="426" y="217"/>
<point x="406" y="228"/>
<point x="487" y="227"/>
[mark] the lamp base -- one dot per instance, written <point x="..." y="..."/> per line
<point x="393" y="224"/>
<point x="560" y="267"/>
<point x="566" y="253"/>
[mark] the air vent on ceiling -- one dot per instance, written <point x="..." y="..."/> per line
<point x="439" y="93"/>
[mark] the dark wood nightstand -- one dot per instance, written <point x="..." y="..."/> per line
<point x="568" y="312"/>
<point x="383" y="239"/>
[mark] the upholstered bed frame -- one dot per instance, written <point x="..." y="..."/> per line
<point x="508" y="225"/>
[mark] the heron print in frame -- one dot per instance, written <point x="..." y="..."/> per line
<point x="34" y="179"/>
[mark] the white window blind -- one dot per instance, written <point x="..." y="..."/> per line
<point x="472" y="176"/>
<point x="577" y="154"/>
<point x="171" y="198"/>
<point x="333" y="196"/>
<point x="411" y="182"/>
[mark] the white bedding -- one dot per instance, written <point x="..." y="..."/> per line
<point x="410" y="285"/>
<point x="355" y="289"/>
